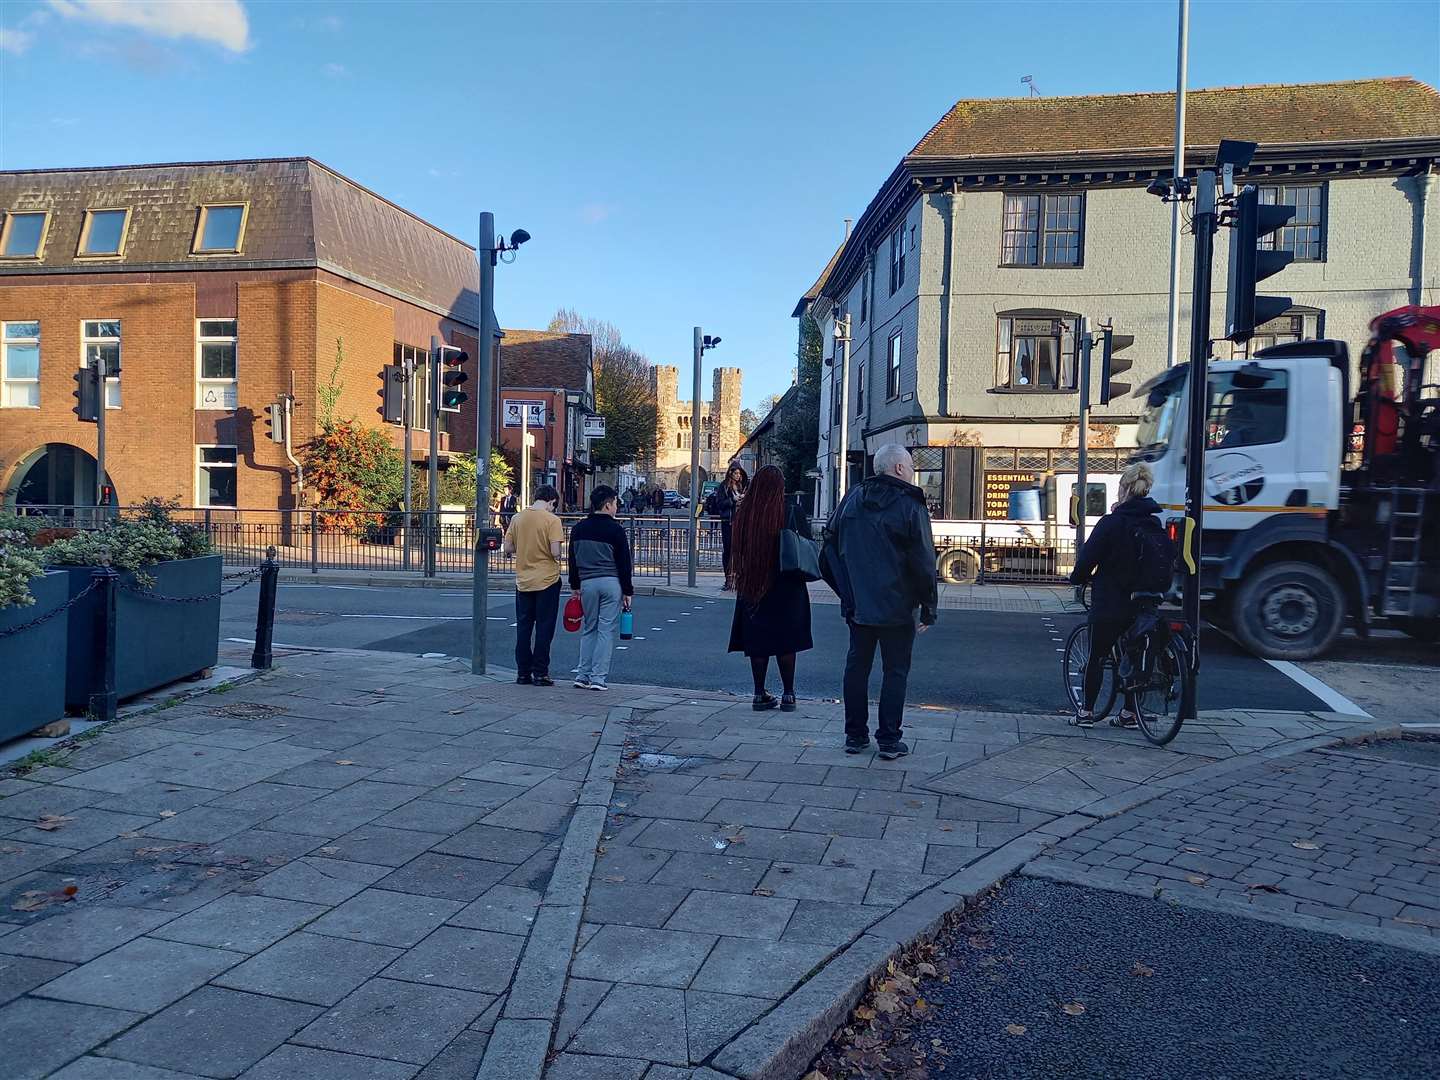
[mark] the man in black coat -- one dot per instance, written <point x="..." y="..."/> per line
<point x="879" y="557"/>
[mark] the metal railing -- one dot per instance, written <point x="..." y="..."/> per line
<point x="319" y="539"/>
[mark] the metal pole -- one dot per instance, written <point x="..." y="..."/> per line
<point x="1181" y="63"/>
<point x="1082" y="472"/>
<point x="407" y="398"/>
<point x="1204" y="225"/>
<point x="314" y="541"/>
<point x="844" y="482"/>
<point x="432" y="520"/>
<point x="103" y="697"/>
<point x="694" y="508"/>
<point x="100" y="395"/>
<point x="480" y="573"/>
<point x="263" y="657"/>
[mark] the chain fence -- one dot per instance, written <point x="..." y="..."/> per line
<point x="54" y="612"/>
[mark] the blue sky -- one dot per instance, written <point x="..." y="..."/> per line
<point x="675" y="163"/>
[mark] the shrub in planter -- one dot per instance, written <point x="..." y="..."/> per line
<point x="34" y="695"/>
<point x="18" y="564"/>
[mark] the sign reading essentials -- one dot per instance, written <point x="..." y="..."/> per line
<point x="998" y="486"/>
<point x="523" y="413"/>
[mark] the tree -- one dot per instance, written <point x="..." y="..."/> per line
<point x="622" y="391"/>
<point x="353" y="468"/>
<point x="797" y="433"/>
<point x="749" y="421"/>
<point x="457" y="482"/>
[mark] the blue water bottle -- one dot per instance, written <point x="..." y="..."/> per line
<point x="627" y="626"/>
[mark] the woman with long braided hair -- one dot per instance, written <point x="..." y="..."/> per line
<point x="772" y="612"/>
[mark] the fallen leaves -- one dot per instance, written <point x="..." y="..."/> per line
<point x="344" y="761"/>
<point x="1305" y="845"/>
<point x="1073" y="1008"/>
<point x="51" y="822"/>
<point x="762" y="892"/>
<point x="37" y="899"/>
<point x="1142" y="970"/>
<point x="1015" y="1029"/>
<point x="167" y="813"/>
<point x="1196" y="879"/>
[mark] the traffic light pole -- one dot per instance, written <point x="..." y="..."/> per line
<point x="694" y="508"/>
<point x="480" y="577"/>
<point x="100" y="395"/>
<point x="407" y="402"/>
<point x="1082" y="471"/>
<point x="1205" y="225"/>
<point x="432" y="530"/>
<point x="842" y="339"/>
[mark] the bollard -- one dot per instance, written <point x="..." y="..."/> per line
<point x="263" y="657"/>
<point x="314" y="542"/>
<point x="103" y="699"/>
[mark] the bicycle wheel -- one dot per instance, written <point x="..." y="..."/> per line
<point x="1159" y="701"/>
<point x="1077" y="655"/>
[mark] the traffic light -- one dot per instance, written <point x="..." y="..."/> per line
<point x="277" y="419"/>
<point x="1254" y="221"/>
<point x="1112" y="363"/>
<point x="392" y="393"/>
<point x="452" y="376"/>
<point x="87" y="395"/>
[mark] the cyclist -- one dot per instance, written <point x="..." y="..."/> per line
<point x="1128" y="552"/>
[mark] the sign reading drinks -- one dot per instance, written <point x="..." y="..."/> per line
<point x="999" y="484"/>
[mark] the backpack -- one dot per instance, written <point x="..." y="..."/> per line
<point x="1154" y="556"/>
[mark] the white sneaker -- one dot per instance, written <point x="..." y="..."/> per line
<point x="598" y="686"/>
<point x="582" y="683"/>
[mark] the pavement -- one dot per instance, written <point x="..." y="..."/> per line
<point x="368" y="864"/>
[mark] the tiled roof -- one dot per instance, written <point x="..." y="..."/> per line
<point x="301" y="214"/>
<point x="539" y="359"/>
<point x="1359" y="110"/>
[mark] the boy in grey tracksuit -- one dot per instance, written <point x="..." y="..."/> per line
<point x="600" y="576"/>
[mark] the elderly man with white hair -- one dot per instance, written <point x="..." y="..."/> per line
<point x="879" y="558"/>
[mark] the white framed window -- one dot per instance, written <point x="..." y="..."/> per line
<point x="215" y="476"/>
<point x="20" y="365"/>
<point x="220" y="229"/>
<point x="860" y="378"/>
<point x="892" y="368"/>
<point x="23" y="234"/>
<point x="215" y="371"/>
<point x="103" y="233"/>
<point x="100" y="344"/>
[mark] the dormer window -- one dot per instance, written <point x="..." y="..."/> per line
<point x="103" y="233"/>
<point x="220" y="229"/>
<point x="23" y="235"/>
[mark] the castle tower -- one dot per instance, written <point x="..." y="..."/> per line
<point x="725" y="414"/>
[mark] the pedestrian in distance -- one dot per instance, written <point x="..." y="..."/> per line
<point x="600" y="576"/>
<point x="722" y="503"/>
<point x="880" y="560"/>
<point x="772" y="610"/>
<point x="533" y="537"/>
<point x="657" y="500"/>
<point x="1128" y="552"/>
<point x="509" y="504"/>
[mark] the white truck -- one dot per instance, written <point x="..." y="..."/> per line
<point x="1319" y="506"/>
<point x="1033" y="545"/>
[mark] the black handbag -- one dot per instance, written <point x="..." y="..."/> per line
<point x="799" y="557"/>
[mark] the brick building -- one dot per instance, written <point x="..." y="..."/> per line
<point x="547" y="387"/>
<point x="720" y="436"/>
<point x="212" y="288"/>
<point x="966" y="276"/>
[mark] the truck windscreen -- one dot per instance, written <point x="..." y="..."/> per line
<point x="1163" y="403"/>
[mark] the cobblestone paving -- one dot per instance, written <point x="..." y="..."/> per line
<point x="1339" y="835"/>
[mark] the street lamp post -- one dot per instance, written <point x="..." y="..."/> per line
<point x="842" y="343"/>
<point x="703" y="341"/>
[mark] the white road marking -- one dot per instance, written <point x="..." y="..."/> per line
<point x="1337" y="701"/>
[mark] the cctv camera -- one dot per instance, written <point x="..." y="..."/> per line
<point x="518" y="237"/>
<point x="1159" y="187"/>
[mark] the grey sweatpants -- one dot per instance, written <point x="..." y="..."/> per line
<point x="600" y="597"/>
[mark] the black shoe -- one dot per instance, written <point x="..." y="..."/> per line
<point x="787" y="702"/>
<point x="1086" y="720"/>
<point x="542" y="680"/>
<point x="1127" y="720"/>
<point x="763" y="700"/>
<point x="524" y="680"/>
<point x="856" y="746"/>
<point x="891" y="751"/>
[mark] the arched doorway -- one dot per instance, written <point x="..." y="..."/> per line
<point x="683" y="481"/>
<point x="57" y="474"/>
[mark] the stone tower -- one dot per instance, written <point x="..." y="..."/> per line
<point x="664" y="384"/>
<point x="725" y="415"/>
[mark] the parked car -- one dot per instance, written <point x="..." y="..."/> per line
<point x="675" y="501"/>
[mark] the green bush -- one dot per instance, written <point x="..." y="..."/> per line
<point x="123" y="545"/>
<point x="18" y="564"/>
<point x="193" y="541"/>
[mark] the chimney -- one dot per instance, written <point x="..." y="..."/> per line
<point x="847" y="228"/>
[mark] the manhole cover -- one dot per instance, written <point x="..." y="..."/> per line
<point x="247" y="710"/>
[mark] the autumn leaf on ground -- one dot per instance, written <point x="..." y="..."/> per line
<point x="51" y="822"/>
<point x="1141" y="969"/>
<point x="167" y="813"/>
<point x="814" y="1074"/>
<point x="1074" y="1008"/>
<point x="1015" y="1029"/>
<point x="762" y="892"/>
<point x="864" y="1012"/>
<point x="1196" y="879"/>
<point x="344" y="761"/>
<point x="926" y="969"/>
<point x="1305" y="845"/>
<point x="886" y="1002"/>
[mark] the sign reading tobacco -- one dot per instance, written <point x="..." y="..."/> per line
<point x="998" y="486"/>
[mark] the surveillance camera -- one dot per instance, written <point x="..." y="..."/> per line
<point x="518" y="237"/>
<point x="1159" y="187"/>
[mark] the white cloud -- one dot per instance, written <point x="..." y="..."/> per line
<point x="15" y="41"/>
<point x="221" y="22"/>
<point x="335" y="70"/>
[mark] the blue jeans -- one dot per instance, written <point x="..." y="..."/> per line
<point x="600" y="597"/>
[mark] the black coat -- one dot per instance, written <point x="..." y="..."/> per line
<point x="780" y="624"/>
<point x="722" y="503"/>
<point x="879" y="556"/>
<point x="1108" y="559"/>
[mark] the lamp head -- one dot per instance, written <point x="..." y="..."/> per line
<point x="518" y="237"/>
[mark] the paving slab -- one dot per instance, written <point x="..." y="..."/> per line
<point x="242" y="923"/>
<point x="637" y="1021"/>
<point x="395" y="1020"/>
<point x="386" y="918"/>
<point x="142" y="975"/>
<point x="41" y="1035"/>
<point x="452" y="956"/>
<point x="310" y="968"/>
<point x="307" y="1063"/>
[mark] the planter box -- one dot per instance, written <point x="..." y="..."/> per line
<point x="155" y="642"/>
<point x="32" y="688"/>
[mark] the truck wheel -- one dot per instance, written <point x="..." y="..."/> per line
<point x="957" y="567"/>
<point x="1289" y="611"/>
<point x="1427" y="630"/>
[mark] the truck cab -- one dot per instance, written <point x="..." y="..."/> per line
<point x="1293" y="545"/>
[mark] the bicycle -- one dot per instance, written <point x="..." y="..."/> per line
<point x="1153" y="666"/>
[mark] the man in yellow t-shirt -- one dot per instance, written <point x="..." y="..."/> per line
<point x="534" y="538"/>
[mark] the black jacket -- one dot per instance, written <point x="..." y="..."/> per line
<point x="599" y="548"/>
<point x="879" y="556"/>
<point x="721" y="503"/>
<point x="1109" y="558"/>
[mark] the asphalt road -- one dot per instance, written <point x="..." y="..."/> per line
<point x="970" y="659"/>
<point x="1228" y="997"/>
